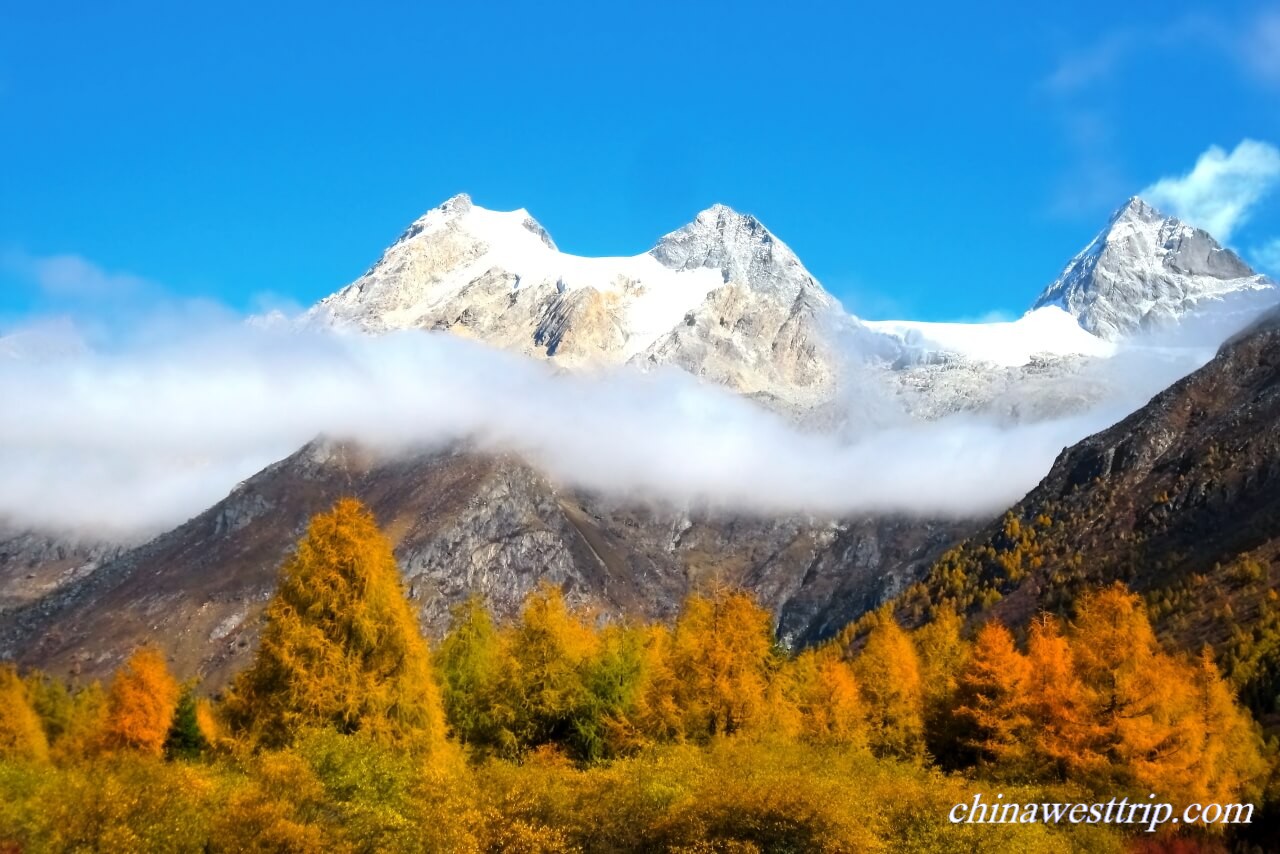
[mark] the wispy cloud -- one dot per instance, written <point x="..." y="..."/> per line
<point x="72" y="276"/>
<point x="1222" y="189"/>
<point x="1250" y="43"/>
<point x="1095" y="179"/>
<point x="1259" y="47"/>
<point x="1267" y="257"/>
<point x="1093" y="62"/>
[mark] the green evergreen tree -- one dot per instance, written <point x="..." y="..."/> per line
<point x="185" y="740"/>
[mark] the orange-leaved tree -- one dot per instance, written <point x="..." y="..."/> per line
<point x="140" y="704"/>
<point x="1066" y="734"/>
<point x="943" y="654"/>
<point x="993" y="701"/>
<point x="341" y="648"/>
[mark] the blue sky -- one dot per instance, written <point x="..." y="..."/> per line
<point x="935" y="162"/>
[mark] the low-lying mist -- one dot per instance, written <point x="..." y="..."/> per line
<point x="130" y="439"/>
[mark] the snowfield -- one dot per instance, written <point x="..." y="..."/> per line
<point x="1047" y="331"/>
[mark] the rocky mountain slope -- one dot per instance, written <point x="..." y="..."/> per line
<point x="1145" y="271"/>
<point x="35" y="564"/>
<point x="461" y="523"/>
<point x="1181" y="500"/>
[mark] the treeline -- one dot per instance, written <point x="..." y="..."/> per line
<point x="1095" y="703"/>
<point x="561" y="731"/>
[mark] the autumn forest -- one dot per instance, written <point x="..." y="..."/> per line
<point x="561" y="731"/>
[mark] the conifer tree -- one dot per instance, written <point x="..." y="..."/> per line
<point x="340" y="648"/>
<point x="992" y="697"/>
<point x="21" y="735"/>
<point x="53" y="702"/>
<point x="721" y="658"/>
<point x="1166" y="724"/>
<point x="1231" y="759"/>
<point x="888" y="672"/>
<point x="657" y="714"/>
<point x="1140" y="698"/>
<point x="544" y="681"/>
<point x="824" y="693"/>
<point x="943" y="653"/>
<point x="1065" y="732"/>
<point x="186" y="739"/>
<point x="140" y="704"/>
<point x="613" y="677"/>
<point x="80" y="725"/>
<point x="472" y="660"/>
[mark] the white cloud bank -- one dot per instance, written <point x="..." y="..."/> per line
<point x="137" y="440"/>
<point x="1221" y="190"/>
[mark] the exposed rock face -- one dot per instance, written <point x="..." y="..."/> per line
<point x="755" y="344"/>
<point x="1045" y="388"/>
<point x="1146" y="270"/>
<point x="460" y="523"/>
<point x="741" y="249"/>
<point x="34" y="564"/>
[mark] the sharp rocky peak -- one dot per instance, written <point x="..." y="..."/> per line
<point x="1137" y="209"/>
<point x="1145" y="270"/>
<point x="738" y="245"/>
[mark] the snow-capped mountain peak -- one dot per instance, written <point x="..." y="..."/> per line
<point x="712" y="297"/>
<point x="741" y="248"/>
<point x="1146" y="270"/>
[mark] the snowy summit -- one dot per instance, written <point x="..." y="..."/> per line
<point x="1146" y="270"/>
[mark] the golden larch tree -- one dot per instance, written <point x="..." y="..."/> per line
<point x="721" y="658"/>
<point x="341" y="648"/>
<point x="472" y="660"/>
<point x="21" y="734"/>
<point x="992" y="698"/>
<point x="888" y="672"/>
<point x="1230" y="762"/>
<point x="550" y="650"/>
<point x="1066" y="736"/>
<point x="943" y="653"/>
<point x="822" y="690"/>
<point x="140" y="704"/>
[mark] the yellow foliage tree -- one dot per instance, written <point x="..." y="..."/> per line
<point x="341" y="647"/>
<point x="943" y="653"/>
<point x="550" y="650"/>
<point x="1230" y="760"/>
<point x="140" y="704"/>
<point x="888" y="672"/>
<point x="473" y="659"/>
<point x="657" y="714"/>
<point x="992" y="697"/>
<point x="21" y="734"/>
<point x="81" y="724"/>
<point x="721" y="658"/>
<point x="824" y="693"/>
